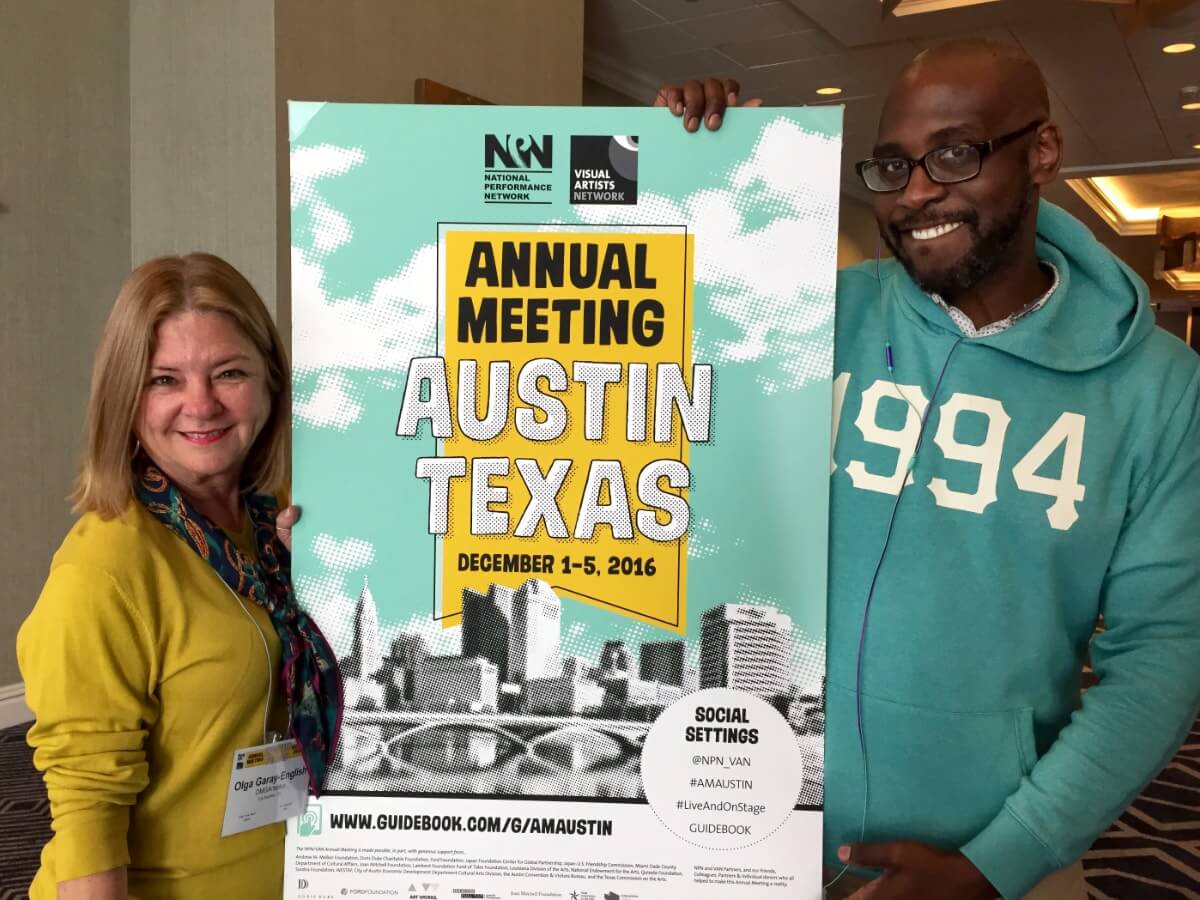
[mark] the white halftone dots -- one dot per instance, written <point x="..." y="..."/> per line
<point x="612" y="517"/>
<point x="383" y="332"/>
<point x="808" y="661"/>
<point x="330" y="228"/>
<point x="651" y="209"/>
<point x="439" y="640"/>
<point x="807" y="666"/>
<point x="310" y="165"/>
<point x="388" y="383"/>
<point x="809" y="360"/>
<point x="793" y="163"/>
<point x="783" y="312"/>
<point x="331" y="404"/>
<point x="702" y="542"/>
<point x="543" y="489"/>
<point x="342" y="555"/>
<point x="597" y="377"/>
<point x="380" y="332"/>
<point x="582" y="642"/>
<point x="330" y="605"/>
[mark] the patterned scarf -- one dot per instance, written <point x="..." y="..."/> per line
<point x="312" y="685"/>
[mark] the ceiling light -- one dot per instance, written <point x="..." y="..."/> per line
<point x="1133" y="204"/>
<point x="1189" y="97"/>
<point x="1104" y="196"/>
<point x="829" y="91"/>
<point x="1183" y="47"/>
<point x="912" y="7"/>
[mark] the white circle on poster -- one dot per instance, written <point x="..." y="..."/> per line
<point x="721" y="768"/>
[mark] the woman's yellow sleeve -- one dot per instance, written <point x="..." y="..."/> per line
<point x="90" y="671"/>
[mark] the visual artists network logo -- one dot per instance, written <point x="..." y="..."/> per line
<point x="604" y="169"/>
<point x="518" y="168"/>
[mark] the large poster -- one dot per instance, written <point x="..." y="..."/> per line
<point x="562" y="412"/>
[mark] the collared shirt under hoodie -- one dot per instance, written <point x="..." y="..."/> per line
<point x="964" y="324"/>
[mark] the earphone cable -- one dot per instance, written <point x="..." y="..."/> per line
<point x="862" y="637"/>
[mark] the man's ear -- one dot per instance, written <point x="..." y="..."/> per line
<point x="1046" y="156"/>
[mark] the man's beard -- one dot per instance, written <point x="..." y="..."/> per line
<point x="991" y="250"/>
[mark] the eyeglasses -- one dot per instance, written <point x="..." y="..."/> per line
<point x="945" y="165"/>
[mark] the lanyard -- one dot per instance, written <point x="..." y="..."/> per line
<point x="268" y="736"/>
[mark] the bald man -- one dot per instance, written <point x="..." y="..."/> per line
<point x="1018" y="452"/>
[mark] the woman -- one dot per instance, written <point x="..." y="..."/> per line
<point x="154" y="651"/>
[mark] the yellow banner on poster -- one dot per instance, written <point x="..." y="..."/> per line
<point x="565" y="401"/>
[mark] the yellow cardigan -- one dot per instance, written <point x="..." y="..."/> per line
<point x="145" y="676"/>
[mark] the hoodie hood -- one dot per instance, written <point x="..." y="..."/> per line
<point x="1100" y="311"/>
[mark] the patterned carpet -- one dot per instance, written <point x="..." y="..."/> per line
<point x="1151" y="853"/>
<point x="24" y="812"/>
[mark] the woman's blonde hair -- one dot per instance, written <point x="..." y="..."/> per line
<point x="154" y="291"/>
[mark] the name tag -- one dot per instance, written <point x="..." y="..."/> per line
<point x="268" y="784"/>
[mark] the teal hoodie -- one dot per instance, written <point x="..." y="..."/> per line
<point x="1058" y="478"/>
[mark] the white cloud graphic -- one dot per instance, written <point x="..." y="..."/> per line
<point x="325" y="597"/>
<point x="438" y="640"/>
<point x="770" y="280"/>
<point x="309" y="165"/>
<point x="332" y="404"/>
<point x="773" y="281"/>
<point x="383" y="332"/>
<point x="331" y="607"/>
<point x="342" y="555"/>
<point x="312" y="164"/>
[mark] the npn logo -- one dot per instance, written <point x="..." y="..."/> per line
<point x="310" y="821"/>
<point x="518" y="152"/>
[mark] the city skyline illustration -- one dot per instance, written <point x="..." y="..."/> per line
<point x="510" y="712"/>
<point x="519" y="631"/>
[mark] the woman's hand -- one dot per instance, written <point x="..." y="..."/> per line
<point x="285" y="520"/>
<point x="701" y="101"/>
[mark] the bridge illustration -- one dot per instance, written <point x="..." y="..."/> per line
<point x="428" y="745"/>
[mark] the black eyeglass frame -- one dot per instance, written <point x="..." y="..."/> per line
<point x="983" y="148"/>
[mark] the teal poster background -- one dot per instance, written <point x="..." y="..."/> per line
<point x="369" y="185"/>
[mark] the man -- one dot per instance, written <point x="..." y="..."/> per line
<point x="1018" y="451"/>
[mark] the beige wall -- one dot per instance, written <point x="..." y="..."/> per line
<point x="202" y="132"/>
<point x="373" y="51"/>
<point x="130" y="128"/>
<point x="64" y="249"/>
<point x="597" y="94"/>
<point x="858" y="235"/>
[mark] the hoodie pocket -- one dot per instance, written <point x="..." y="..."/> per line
<point x="935" y="776"/>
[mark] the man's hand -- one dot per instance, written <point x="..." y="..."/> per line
<point x="285" y="520"/>
<point x="915" y="871"/>
<point x="701" y="101"/>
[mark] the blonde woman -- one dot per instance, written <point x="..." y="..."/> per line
<point x="166" y="636"/>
